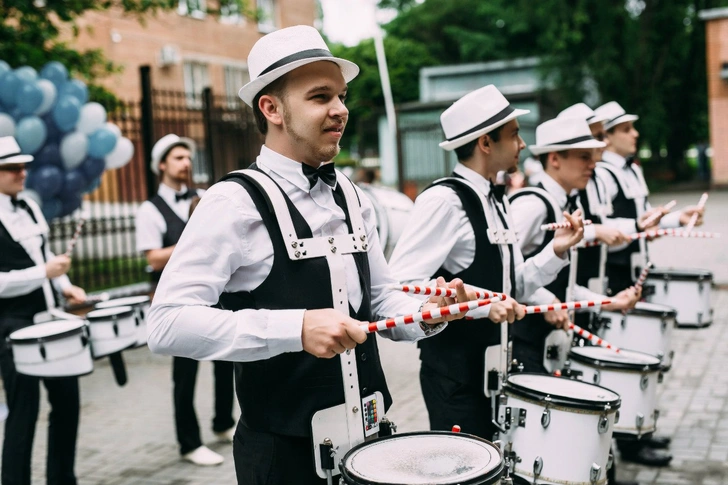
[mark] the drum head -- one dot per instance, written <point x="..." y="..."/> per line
<point x="423" y="458"/>
<point x="680" y="274"/>
<point x="107" y="313"/>
<point x="130" y="300"/>
<point x="562" y="391"/>
<point x="624" y="359"/>
<point x="47" y="331"/>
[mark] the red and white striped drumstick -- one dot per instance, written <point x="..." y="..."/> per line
<point x="453" y="309"/>
<point x="663" y="232"/>
<point x="665" y="208"/>
<point x="694" y="217"/>
<point x="448" y="292"/>
<point x="74" y="239"/>
<point x="592" y="338"/>
<point x="561" y="225"/>
<point x="643" y="275"/>
<point x="567" y="305"/>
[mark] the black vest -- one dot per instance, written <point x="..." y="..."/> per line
<point x="14" y="257"/>
<point x="534" y="328"/>
<point x="281" y="394"/>
<point x="624" y="208"/>
<point x="459" y="350"/>
<point x="175" y="226"/>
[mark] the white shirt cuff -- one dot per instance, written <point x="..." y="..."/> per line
<point x="670" y="220"/>
<point x="284" y="330"/>
<point x="547" y="260"/>
<point x="590" y="232"/>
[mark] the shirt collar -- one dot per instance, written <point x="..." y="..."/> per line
<point x="614" y="158"/>
<point x="168" y="193"/>
<point x="5" y="203"/>
<point x="557" y="191"/>
<point x="284" y="167"/>
<point x="473" y="177"/>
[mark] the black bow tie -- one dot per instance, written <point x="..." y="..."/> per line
<point x="185" y="195"/>
<point x="325" y="172"/>
<point x="571" y="203"/>
<point x="21" y="204"/>
<point x="629" y="161"/>
<point x="497" y="191"/>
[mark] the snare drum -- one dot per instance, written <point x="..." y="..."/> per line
<point x="686" y="290"/>
<point x="633" y="375"/>
<point x="392" y="209"/>
<point x="52" y="349"/>
<point x="646" y="328"/>
<point x="431" y="457"/>
<point x="560" y="429"/>
<point x="140" y="304"/>
<point x="111" y="330"/>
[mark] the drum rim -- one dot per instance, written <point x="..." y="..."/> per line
<point x="563" y="401"/>
<point x="608" y="364"/>
<point x="49" y="338"/>
<point x="666" y="311"/>
<point x="489" y="478"/>
<point x="128" y="312"/>
<point x="680" y="273"/>
<point x="102" y="305"/>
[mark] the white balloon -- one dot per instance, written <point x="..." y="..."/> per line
<point x="49" y="96"/>
<point x="93" y="117"/>
<point x="114" y="129"/>
<point x="7" y="125"/>
<point x="74" y="148"/>
<point x="121" y="154"/>
<point x="32" y="194"/>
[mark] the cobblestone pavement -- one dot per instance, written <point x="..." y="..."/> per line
<point x="127" y="434"/>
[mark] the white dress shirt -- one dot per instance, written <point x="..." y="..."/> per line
<point x="529" y="212"/>
<point x="635" y="185"/>
<point x="150" y="224"/>
<point x="226" y="248"/>
<point x="30" y="235"/>
<point x="439" y="234"/>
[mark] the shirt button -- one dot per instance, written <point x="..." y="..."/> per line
<point x="363" y="357"/>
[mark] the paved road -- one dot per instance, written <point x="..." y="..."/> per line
<point x="127" y="434"/>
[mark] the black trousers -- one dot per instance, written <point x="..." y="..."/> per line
<point x="184" y="376"/>
<point x="450" y="402"/>
<point x="270" y="459"/>
<point x="530" y="355"/>
<point x="23" y="399"/>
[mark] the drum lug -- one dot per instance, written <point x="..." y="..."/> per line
<point x="700" y="318"/>
<point x="639" y="422"/>
<point x="594" y="473"/>
<point x="616" y="417"/>
<point x="664" y="323"/>
<point x="115" y="326"/>
<point x="597" y="377"/>
<point x="624" y="321"/>
<point x="672" y="354"/>
<point x="644" y="381"/>
<point x="546" y="414"/>
<point x="605" y="322"/>
<point x="610" y="461"/>
<point x="603" y="425"/>
<point x="666" y="283"/>
<point x="522" y="418"/>
<point x="660" y="377"/>
<point x="537" y="467"/>
<point x="42" y="351"/>
<point x="700" y="284"/>
<point x="656" y="414"/>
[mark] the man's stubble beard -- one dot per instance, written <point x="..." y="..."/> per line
<point x="321" y="154"/>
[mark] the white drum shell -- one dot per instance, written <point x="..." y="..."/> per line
<point x="141" y="308"/>
<point x="66" y="356"/>
<point x="651" y="334"/>
<point x="690" y="297"/>
<point x="392" y="209"/>
<point x="112" y="334"/>
<point x="568" y="446"/>
<point x="635" y="400"/>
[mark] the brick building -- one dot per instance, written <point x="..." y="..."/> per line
<point x="717" y="63"/>
<point x="187" y="49"/>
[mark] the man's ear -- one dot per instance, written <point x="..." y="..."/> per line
<point x="554" y="160"/>
<point x="484" y="143"/>
<point x="270" y="106"/>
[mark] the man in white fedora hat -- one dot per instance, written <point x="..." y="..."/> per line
<point x="30" y="278"/>
<point x="460" y="227"/>
<point x="288" y="251"/>
<point x="159" y="225"/>
<point x="565" y="147"/>
<point x="627" y="190"/>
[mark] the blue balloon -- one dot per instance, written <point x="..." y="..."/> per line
<point x="4" y="67"/>
<point x="30" y="96"/>
<point x="66" y="112"/>
<point x="30" y="134"/>
<point x="17" y="114"/>
<point x="51" y="208"/>
<point x="77" y="89"/>
<point x="48" y="155"/>
<point x="92" y="186"/>
<point x="27" y="73"/>
<point x="74" y="181"/>
<point x="101" y="142"/>
<point x="10" y="83"/>
<point x="93" y="167"/>
<point x="70" y="201"/>
<point x="47" y="181"/>
<point x="55" y="72"/>
<point x="54" y="133"/>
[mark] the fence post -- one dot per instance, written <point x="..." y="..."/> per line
<point x="147" y="128"/>
<point x="207" y="107"/>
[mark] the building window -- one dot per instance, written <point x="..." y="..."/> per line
<point x="230" y="12"/>
<point x="192" y="8"/>
<point x="267" y="16"/>
<point x="196" y="79"/>
<point x="235" y="78"/>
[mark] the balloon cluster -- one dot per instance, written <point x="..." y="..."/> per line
<point x="51" y="118"/>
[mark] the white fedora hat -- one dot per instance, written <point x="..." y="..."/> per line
<point x="10" y="152"/>
<point x="475" y="114"/>
<point x="164" y="145"/>
<point x="282" y="51"/>
<point x="614" y="114"/>
<point x="563" y="134"/>
<point x="580" y="110"/>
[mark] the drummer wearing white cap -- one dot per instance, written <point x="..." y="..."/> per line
<point x="289" y="249"/>
<point x="159" y="225"/>
<point x="30" y="276"/>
